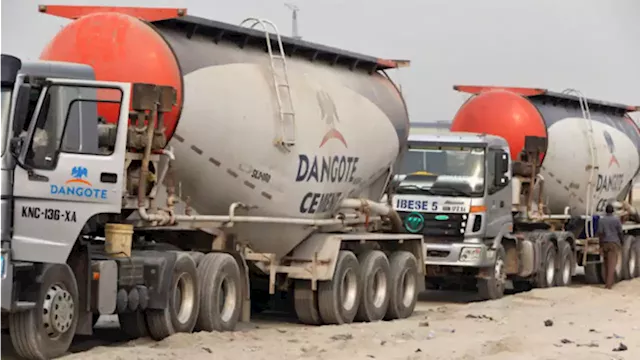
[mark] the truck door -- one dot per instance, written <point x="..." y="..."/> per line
<point x="498" y="192"/>
<point x="65" y="175"/>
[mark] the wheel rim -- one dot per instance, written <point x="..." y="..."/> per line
<point x="183" y="296"/>
<point x="57" y="311"/>
<point x="619" y="265"/>
<point x="566" y="271"/>
<point x="378" y="288"/>
<point x="349" y="289"/>
<point x="498" y="270"/>
<point x="408" y="287"/>
<point x="551" y="270"/>
<point x="227" y="299"/>
<point x="632" y="263"/>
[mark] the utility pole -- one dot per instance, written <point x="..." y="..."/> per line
<point x="294" y="20"/>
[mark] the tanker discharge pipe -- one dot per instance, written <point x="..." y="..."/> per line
<point x="379" y="210"/>
<point x="341" y="219"/>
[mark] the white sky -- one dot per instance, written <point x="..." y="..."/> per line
<point x="591" y="45"/>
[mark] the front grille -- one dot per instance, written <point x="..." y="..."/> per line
<point x="449" y="226"/>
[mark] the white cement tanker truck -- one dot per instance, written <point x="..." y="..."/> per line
<point x="511" y="196"/>
<point x="280" y="149"/>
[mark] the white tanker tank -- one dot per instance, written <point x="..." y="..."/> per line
<point x="290" y="140"/>
<point x="514" y="113"/>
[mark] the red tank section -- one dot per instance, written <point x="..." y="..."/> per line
<point x="119" y="47"/>
<point x="503" y="112"/>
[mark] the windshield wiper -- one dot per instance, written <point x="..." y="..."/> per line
<point x="454" y="189"/>
<point x="415" y="187"/>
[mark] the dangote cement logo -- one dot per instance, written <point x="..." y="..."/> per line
<point x="329" y="114"/>
<point x="612" y="148"/>
<point x="77" y="175"/>
<point x="414" y="222"/>
<point x="78" y="186"/>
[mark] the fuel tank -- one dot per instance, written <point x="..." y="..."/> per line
<point x="348" y="125"/>
<point x="514" y="113"/>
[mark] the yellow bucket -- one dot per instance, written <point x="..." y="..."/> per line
<point x="118" y="238"/>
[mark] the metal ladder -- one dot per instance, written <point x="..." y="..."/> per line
<point x="593" y="169"/>
<point x="287" y="134"/>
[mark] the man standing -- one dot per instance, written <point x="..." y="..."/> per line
<point x="610" y="235"/>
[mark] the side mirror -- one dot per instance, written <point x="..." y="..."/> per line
<point x="502" y="163"/>
<point x="21" y="108"/>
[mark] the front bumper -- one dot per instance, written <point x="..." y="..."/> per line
<point x="458" y="254"/>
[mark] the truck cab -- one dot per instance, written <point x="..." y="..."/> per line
<point x="455" y="189"/>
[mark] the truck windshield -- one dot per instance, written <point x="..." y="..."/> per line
<point x="443" y="170"/>
<point x="5" y="103"/>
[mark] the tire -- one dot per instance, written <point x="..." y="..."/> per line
<point x="197" y="256"/>
<point x="564" y="262"/>
<point x="629" y="258"/>
<point x="375" y="275"/>
<point x="593" y="273"/>
<point x="305" y="303"/>
<point x="403" y="280"/>
<point x="336" y="305"/>
<point x="181" y="312"/>
<point x="220" y="279"/>
<point x="636" y="249"/>
<point x="547" y="272"/>
<point x="134" y="324"/>
<point x="32" y="336"/>
<point x="493" y="288"/>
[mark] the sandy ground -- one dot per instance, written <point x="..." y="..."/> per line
<point x="585" y="322"/>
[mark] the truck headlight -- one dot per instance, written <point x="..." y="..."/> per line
<point x="470" y="254"/>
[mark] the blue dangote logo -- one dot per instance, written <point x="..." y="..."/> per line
<point x="79" y="186"/>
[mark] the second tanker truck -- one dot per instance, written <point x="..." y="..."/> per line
<point x="265" y="144"/>
<point x="510" y="197"/>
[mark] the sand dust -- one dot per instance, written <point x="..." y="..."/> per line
<point x="585" y="322"/>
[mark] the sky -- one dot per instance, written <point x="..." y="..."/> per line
<point x="589" y="45"/>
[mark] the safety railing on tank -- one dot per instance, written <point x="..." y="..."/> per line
<point x="593" y="164"/>
<point x="287" y="136"/>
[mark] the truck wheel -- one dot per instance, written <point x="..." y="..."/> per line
<point x="197" y="256"/>
<point x="338" y="298"/>
<point x="403" y="285"/>
<point x="593" y="273"/>
<point x="133" y="324"/>
<point x="619" y="265"/>
<point x="547" y="272"/>
<point x="493" y="287"/>
<point x="636" y="250"/>
<point x="46" y="331"/>
<point x="220" y="292"/>
<point x="564" y="260"/>
<point x="374" y="272"/>
<point x="305" y="302"/>
<point x="183" y="304"/>
<point x="629" y="258"/>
